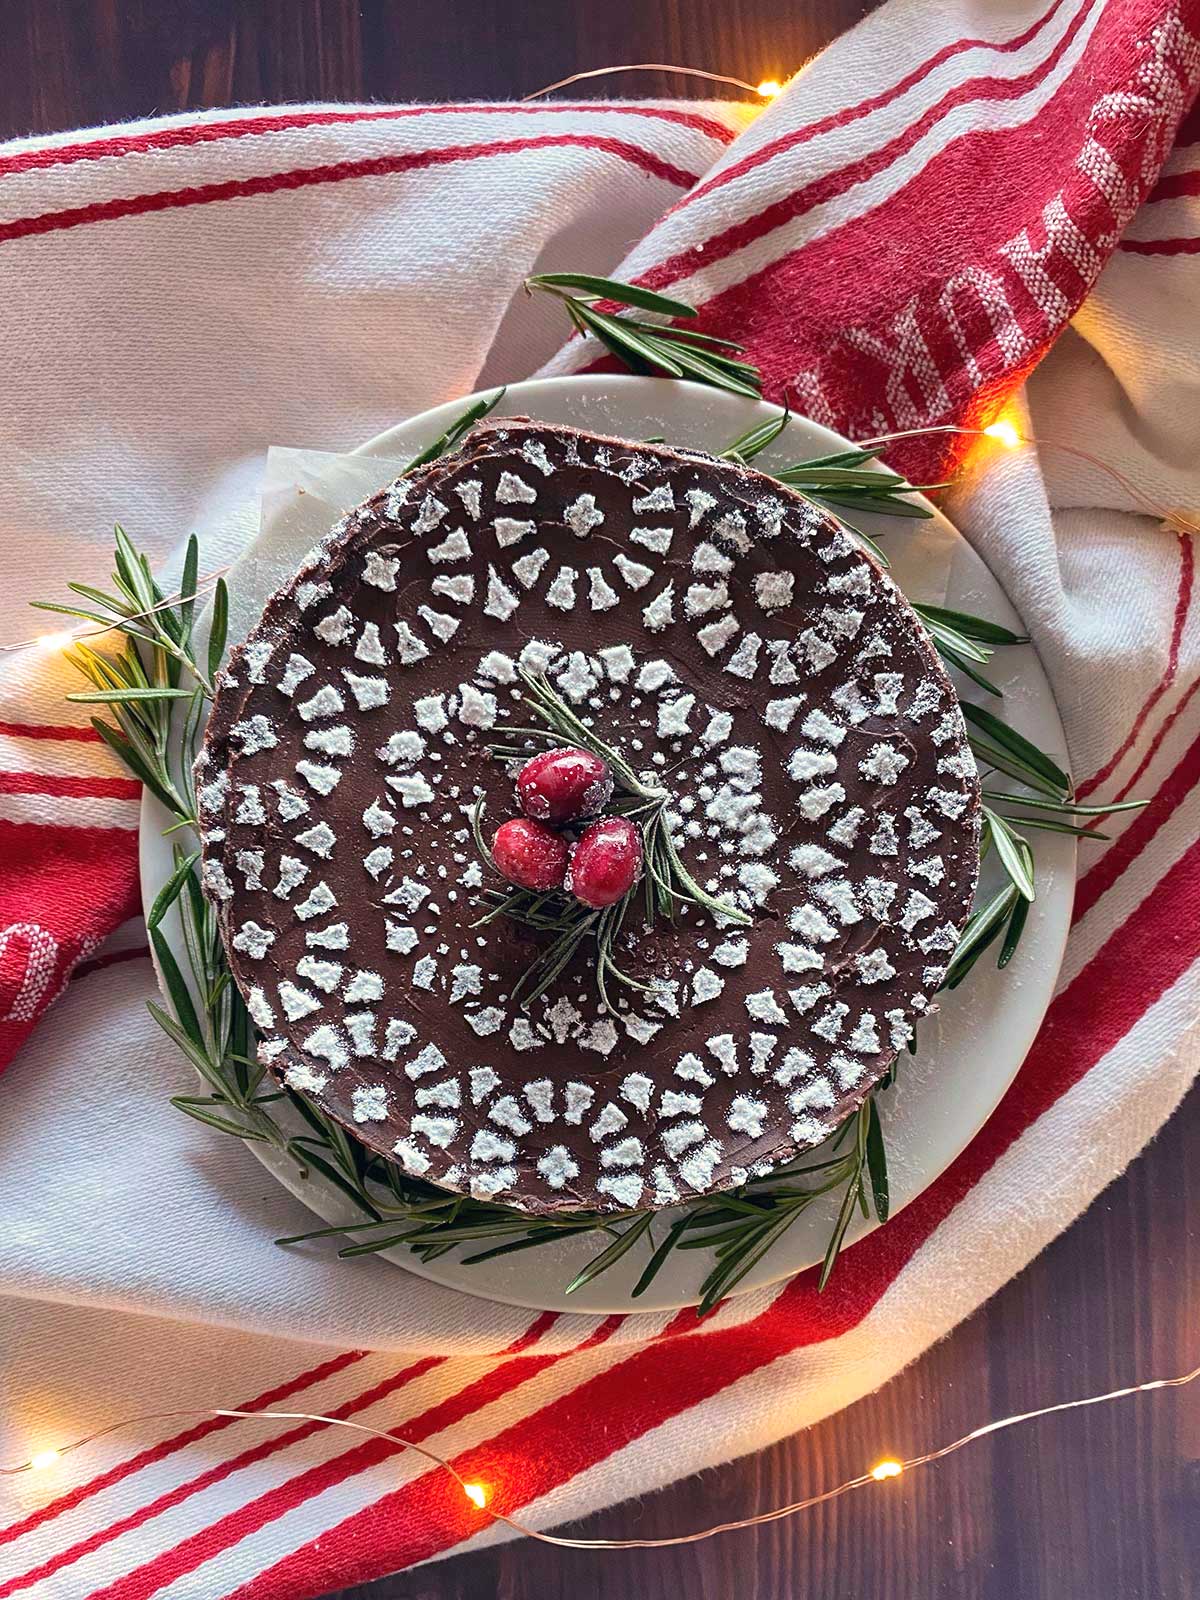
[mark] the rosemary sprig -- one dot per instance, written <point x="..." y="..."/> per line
<point x="152" y="668"/>
<point x="742" y="1226"/>
<point x="571" y="923"/>
<point x="1001" y="830"/>
<point x="139" y="610"/>
<point x="756" y="439"/>
<point x="667" y="881"/>
<point x="843" y="481"/>
<point x="649" y="346"/>
<point x="966" y="642"/>
<point x="999" y="748"/>
<point x="454" y="434"/>
<point x="564" y="726"/>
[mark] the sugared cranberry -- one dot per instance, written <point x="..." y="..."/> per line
<point x="606" y="863"/>
<point x="529" y="855"/>
<point x="565" y="785"/>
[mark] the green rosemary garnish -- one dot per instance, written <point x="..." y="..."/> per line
<point x="966" y="642"/>
<point x="454" y="434"/>
<point x="562" y="725"/>
<point x="649" y="347"/>
<point x="845" y="480"/>
<point x="666" y="882"/>
<point x="1000" y="749"/>
<point x="552" y="911"/>
<point x="153" y="668"/>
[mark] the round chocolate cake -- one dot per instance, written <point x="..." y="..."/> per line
<point x="746" y="666"/>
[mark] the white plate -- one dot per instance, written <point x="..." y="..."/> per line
<point x="968" y="1054"/>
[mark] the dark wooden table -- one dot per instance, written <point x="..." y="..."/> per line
<point x="1100" y="1505"/>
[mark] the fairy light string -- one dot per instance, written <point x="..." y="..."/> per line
<point x="482" y="1498"/>
<point x="768" y="89"/>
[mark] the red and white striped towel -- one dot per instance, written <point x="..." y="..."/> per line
<point x="899" y="238"/>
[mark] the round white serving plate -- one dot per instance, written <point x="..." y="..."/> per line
<point x="968" y="1053"/>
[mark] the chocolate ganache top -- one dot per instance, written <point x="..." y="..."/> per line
<point x="740" y="651"/>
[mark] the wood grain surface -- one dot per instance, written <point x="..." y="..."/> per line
<point x="1097" y="1505"/>
<point x="72" y="63"/>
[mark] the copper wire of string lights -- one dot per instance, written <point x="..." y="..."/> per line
<point x="766" y="90"/>
<point x="481" y="1497"/>
<point x="1006" y="433"/>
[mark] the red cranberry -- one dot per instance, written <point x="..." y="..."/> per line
<point x="606" y="863"/>
<point x="529" y="855"/>
<point x="566" y="785"/>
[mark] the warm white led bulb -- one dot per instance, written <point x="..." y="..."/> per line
<point x="1005" y="432"/>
